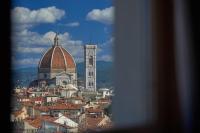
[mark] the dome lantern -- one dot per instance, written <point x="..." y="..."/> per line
<point x="56" y="40"/>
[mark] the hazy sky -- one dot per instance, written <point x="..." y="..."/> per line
<point x="78" y="22"/>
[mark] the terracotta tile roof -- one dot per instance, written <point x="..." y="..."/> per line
<point x="58" y="107"/>
<point x="37" y="99"/>
<point x="58" y="124"/>
<point x="17" y="113"/>
<point x="60" y="101"/>
<point x="69" y="58"/>
<point x="92" y="110"/>
<point x="34" y="122"/>
<point x="67" y="106"/>
<point x="42" y="108"/>
<point x="57" y="58"/>
<point x="37" y="122"/>
<point x="92" y="123"/>
<point x="45" y="61"/>
<point x="48" y="117"/>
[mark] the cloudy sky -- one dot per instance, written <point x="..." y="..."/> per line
<point x="78" y="22"/>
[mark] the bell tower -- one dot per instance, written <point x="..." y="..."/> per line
<point x="90" y="67"/>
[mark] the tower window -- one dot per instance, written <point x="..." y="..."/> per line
<point x="90" y="84"/>
<point x="90" y="73"/>
<point x="91" y="60"/>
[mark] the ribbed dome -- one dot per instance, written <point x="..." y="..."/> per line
<point x="57" y="58"/>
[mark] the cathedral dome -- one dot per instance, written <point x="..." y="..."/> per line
<point x="57" y="58"/>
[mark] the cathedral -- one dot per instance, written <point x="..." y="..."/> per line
<point x="57" y="67"/>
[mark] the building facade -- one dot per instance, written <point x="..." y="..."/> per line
<point x="90" y="67"/>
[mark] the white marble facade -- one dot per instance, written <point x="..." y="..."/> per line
<point x="90" y="67"/>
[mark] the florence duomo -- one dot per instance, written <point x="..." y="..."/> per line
<point x="62" y="80"/>
<point x="57" y="67"/>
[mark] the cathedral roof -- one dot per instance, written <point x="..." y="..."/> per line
<point x="70" y="87"/>
<point x="57" y="58"/>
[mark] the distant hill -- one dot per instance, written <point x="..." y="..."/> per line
<point x="23" y="76"/>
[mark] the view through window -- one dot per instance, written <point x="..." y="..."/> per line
<point x="62" y="65"/>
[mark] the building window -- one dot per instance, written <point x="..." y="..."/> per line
<point x="90" y="73"/>
<point x="91" y="60"/>
<point x="90" y="84"/>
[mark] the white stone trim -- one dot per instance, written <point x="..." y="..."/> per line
<point x="52" y="58"/>
<point x="71" y="57"/>
<point x="74" y="64"/>
<point x="64" y="58"/>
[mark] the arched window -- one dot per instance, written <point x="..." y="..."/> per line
<point x="91" y="60"/>
<point x="90" y="73"/>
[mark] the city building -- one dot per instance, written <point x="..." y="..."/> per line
<point x="90" y="67"/>
<point x="57" y="66"/>
<point x="56" y="103"/>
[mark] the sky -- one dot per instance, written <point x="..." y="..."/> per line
<point x="78" y="22"/>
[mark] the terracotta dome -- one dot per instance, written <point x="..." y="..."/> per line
<point x="57" y="58"/>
